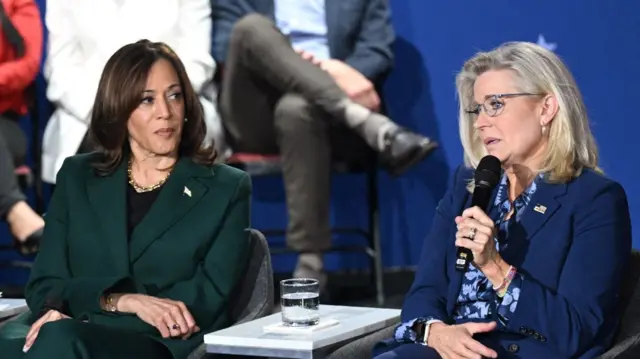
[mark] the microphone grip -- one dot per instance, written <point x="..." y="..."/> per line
<point x="481" y="197"/>
<point x="463" y="258"/>
<point x="485" y="178"/>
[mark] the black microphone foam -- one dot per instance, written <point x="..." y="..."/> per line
<point x="486" y="179"/>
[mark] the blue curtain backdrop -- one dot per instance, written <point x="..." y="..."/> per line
<point x="597" y="39"/>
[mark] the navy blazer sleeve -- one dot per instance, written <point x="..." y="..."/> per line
<point x="372" y="55"/>
<point x="428" y="294"/>
<point x="225" y="14"/>
<point x="572" y="317"/>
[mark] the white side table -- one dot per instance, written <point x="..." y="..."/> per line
<point x="250" y="339"/>
<point x="11" y="307"/>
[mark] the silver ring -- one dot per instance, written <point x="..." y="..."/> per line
<point x="472" y="233"/>
<point x="175" y="327"/>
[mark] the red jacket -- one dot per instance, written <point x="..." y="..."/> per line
<point x="17" y="74"/>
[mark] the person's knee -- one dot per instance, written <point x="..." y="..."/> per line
<point x="409" y="351"/>
<point x="13" y="140"/>
<point x="387" y="355"/>
<point x="251" y="23"/>
<point x="58" y="333"/>
<point x="293" y="115"/>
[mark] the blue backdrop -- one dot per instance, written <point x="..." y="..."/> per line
<point x="598" y="41"/>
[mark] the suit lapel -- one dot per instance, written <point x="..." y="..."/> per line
<point x="544" y="203"/>
<point x="181" y="193"/>
<point x="107" y="196"/>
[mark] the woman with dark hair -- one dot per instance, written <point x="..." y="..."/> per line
<point x="145" y="238"/>
<point x="81" y="35"/>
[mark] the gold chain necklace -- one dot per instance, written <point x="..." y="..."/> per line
<point x="141" y="189"/>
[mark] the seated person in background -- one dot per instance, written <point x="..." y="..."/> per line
<point x="549" y="255"/>
<point x="285" y="83"/>
<point x="20" y="56"/>
<point x="145" y="238"/>
<point x="82" y="36"/>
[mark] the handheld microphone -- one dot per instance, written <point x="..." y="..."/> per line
<point x="486" y="178"/>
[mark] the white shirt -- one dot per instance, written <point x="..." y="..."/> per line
<point x="305" y="23"/>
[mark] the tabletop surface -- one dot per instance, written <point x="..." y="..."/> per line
<point x="9" y="307"/>
<point x="251" y="339"/>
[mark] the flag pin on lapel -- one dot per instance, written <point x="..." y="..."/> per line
<point x="540" y="208"/>
<point x="187" y="191"/>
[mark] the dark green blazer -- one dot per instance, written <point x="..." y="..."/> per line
<point x="191" y="246"/>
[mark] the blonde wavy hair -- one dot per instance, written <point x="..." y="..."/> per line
<point x="571" y="145"/>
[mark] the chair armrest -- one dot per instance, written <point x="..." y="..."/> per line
<point x="626" y="349"/>
<point x="362" y="348"/>
<point x="15" y="327"/>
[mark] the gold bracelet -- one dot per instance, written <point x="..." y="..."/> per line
<point x="110" y="303"/>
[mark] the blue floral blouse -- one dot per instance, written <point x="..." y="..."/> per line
<point x="476" y="299"/>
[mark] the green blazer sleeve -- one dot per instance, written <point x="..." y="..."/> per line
<point x="50" y="279"/>
<point x="207" y="293"/>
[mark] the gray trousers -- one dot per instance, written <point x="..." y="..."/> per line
<point x="273" y="101"/>
<point x="13" y="148"/>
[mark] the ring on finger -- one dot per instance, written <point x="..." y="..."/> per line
<point x="175" y="327"/>
<point x="472" y="233"/>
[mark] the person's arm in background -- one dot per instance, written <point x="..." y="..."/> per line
<point x="16" y="75"/>
<point x="373" y="56"/>
<point x="70" y="86"/>
<point x="225" y="14"/>
<point x="194" y="43"/>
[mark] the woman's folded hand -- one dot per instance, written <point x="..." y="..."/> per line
<point x="456" y="341"/>
<point x="50" y="316"/>
<point x="170" y="317"/>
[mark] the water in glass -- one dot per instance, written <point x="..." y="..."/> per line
<point x="300" y="301"/>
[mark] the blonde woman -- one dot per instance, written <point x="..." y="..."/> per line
<point x="550" y="251"/>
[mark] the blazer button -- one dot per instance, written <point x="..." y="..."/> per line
<point x="513" y="348"/>
<point x="539" y="337"/>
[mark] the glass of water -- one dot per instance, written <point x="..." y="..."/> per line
<point x="300" y="301"/>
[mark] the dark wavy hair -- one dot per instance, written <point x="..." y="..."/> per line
<point x="119" y="93"/>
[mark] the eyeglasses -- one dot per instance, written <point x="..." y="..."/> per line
<point x="493" y="104"/>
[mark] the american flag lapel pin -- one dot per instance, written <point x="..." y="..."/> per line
<point x="187" y="191"/>
<point x="540" y="208"/>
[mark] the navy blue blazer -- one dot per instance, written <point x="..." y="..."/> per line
<point x="359" y="31"/>
<point x="571" y="255"/>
